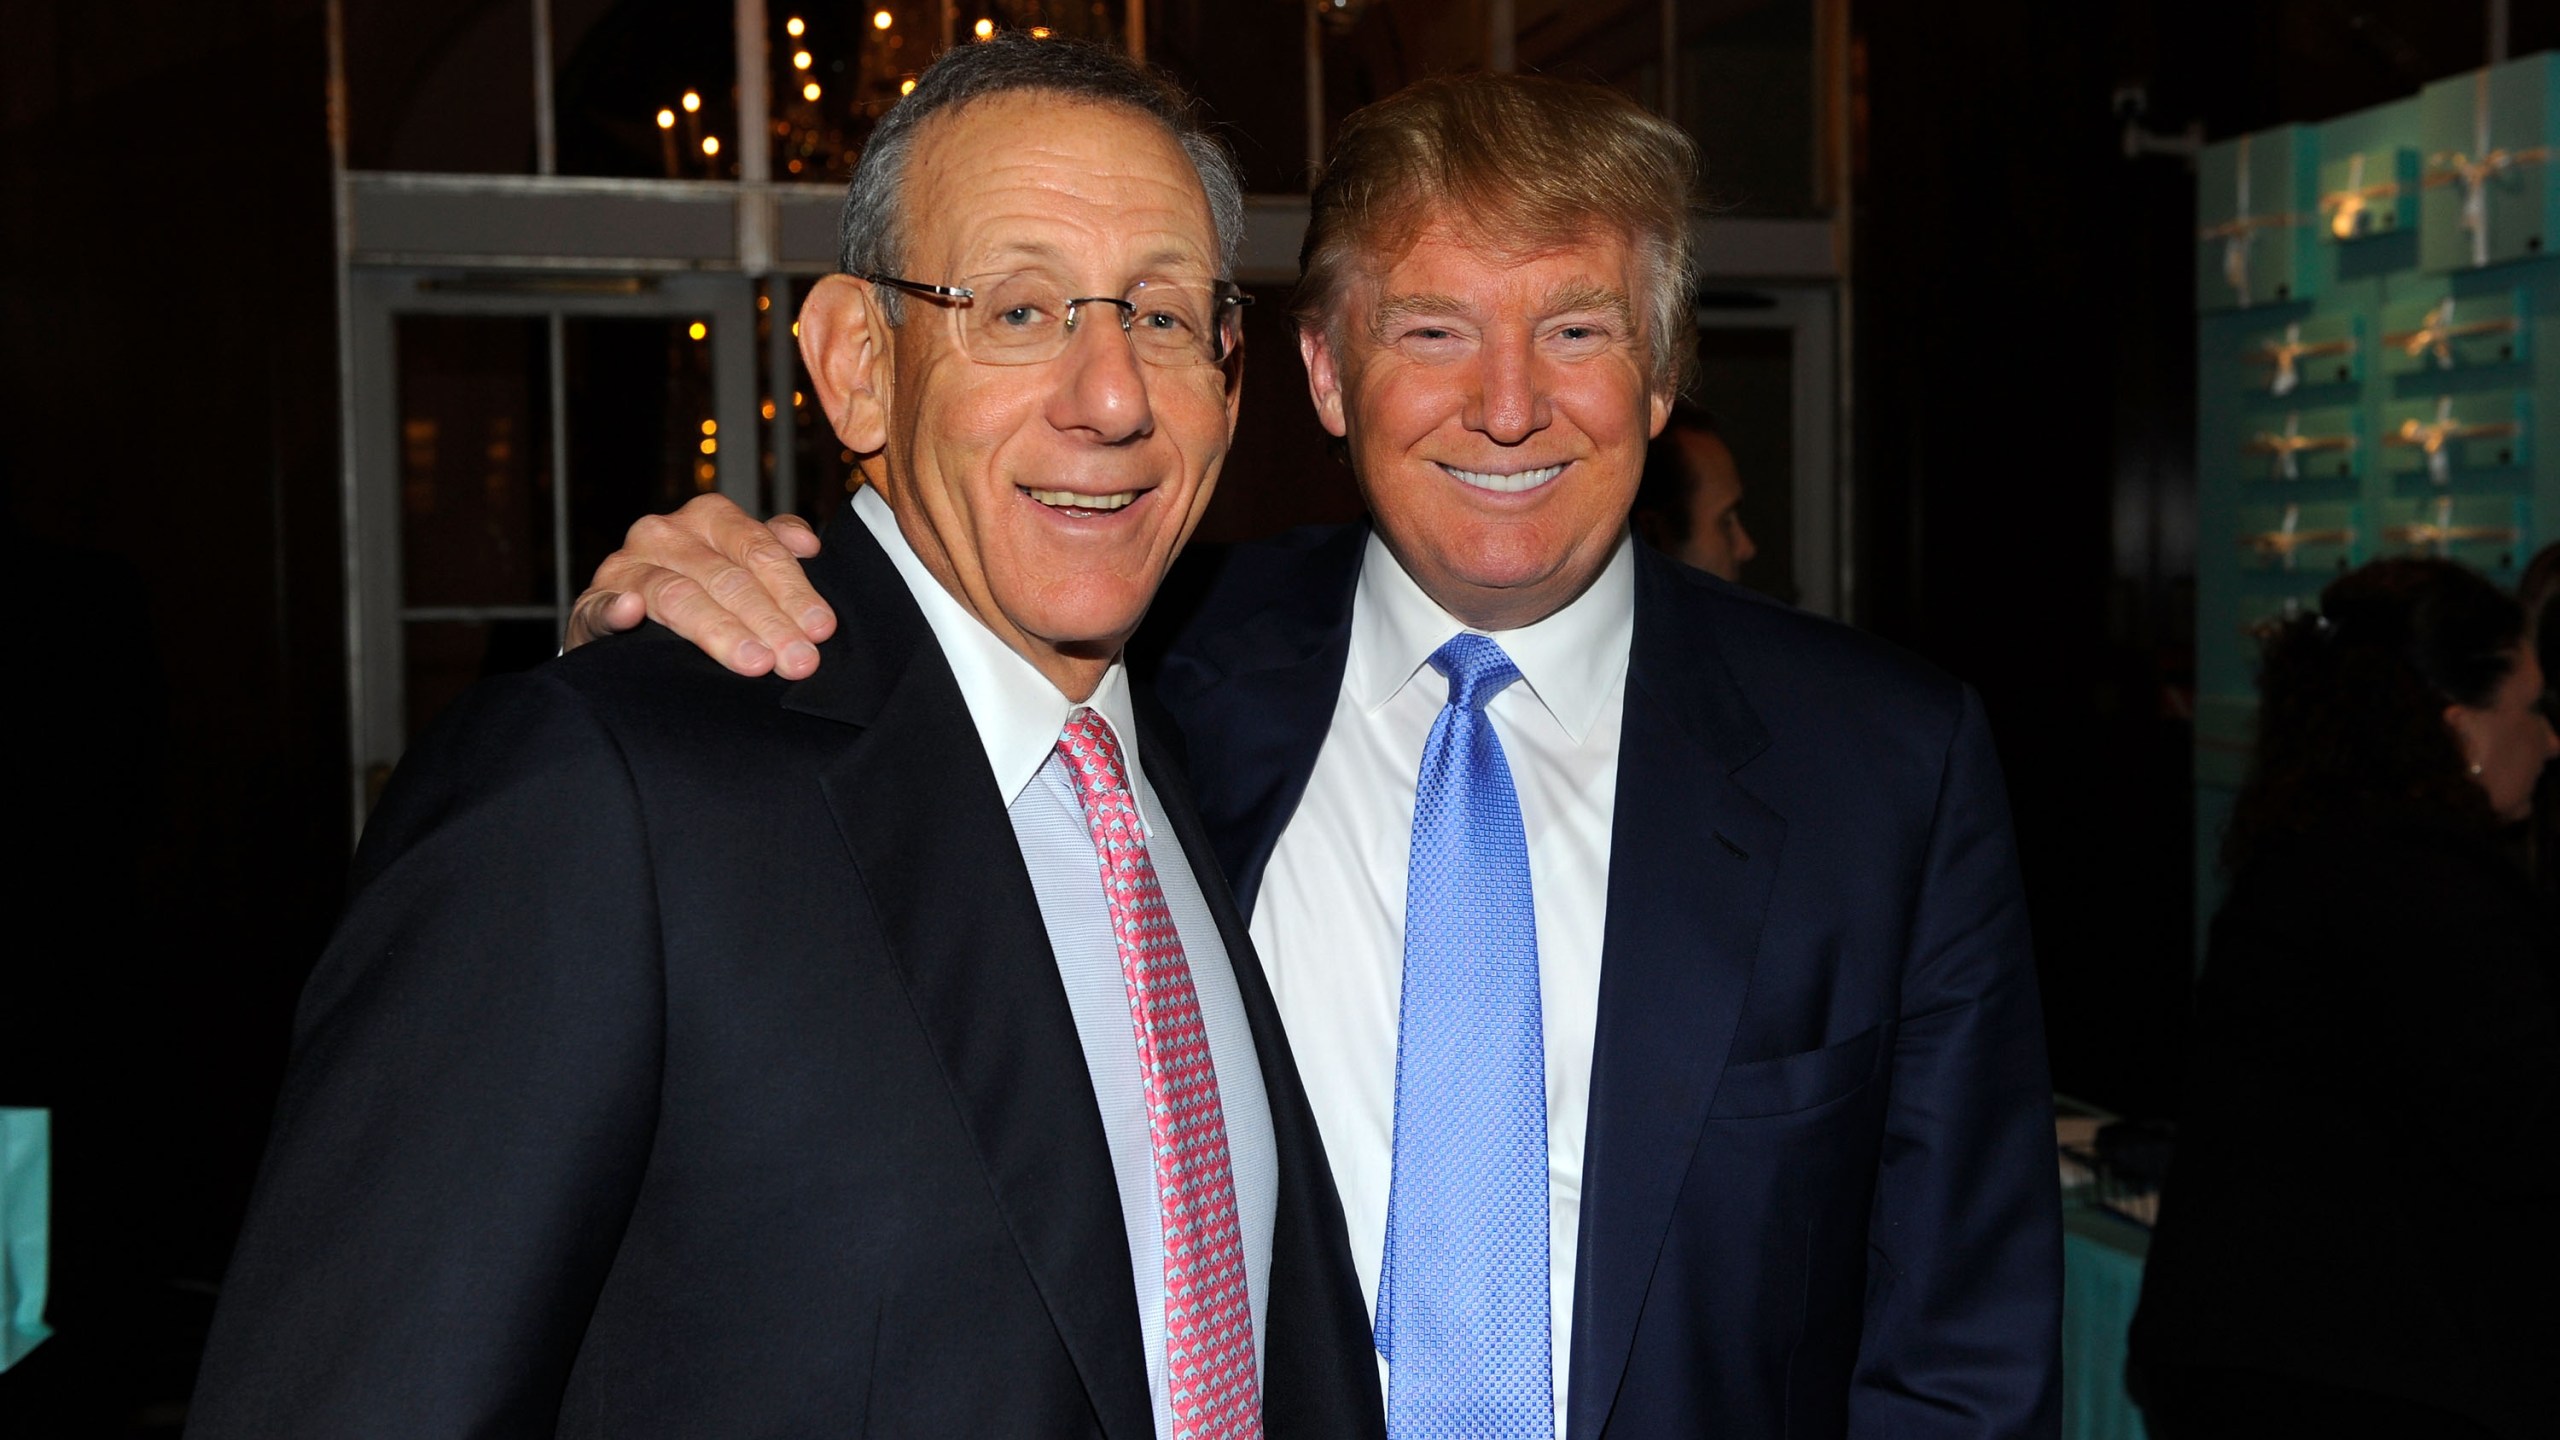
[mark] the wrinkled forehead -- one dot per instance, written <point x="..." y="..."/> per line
<point x="1055" y="180"/>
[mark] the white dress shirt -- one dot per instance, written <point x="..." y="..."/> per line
<point x="1019" y="715"/>
<point x="1329" y="922"/>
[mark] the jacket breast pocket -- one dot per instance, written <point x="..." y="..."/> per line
<point x="1785" y="1084"/>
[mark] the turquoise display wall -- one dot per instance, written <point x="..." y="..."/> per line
<point x="2379" y="365"/>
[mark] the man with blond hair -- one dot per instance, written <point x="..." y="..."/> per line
<point x="1654" y="954"/>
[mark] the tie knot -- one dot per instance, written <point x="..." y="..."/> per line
<point x="1092" y="755"/>
<point x="1477" y="670"/>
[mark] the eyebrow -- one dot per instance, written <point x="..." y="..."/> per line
<point x="1590" y="295"/>
<point x="1398" y="308"/>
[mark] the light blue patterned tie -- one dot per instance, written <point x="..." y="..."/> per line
<point x="1462" y="1288"/>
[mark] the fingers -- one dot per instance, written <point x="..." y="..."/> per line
<point x="599" y="613"/>
<point x="720" y="578"/>
<point x="795" y="535"/>
<point x="680" y="603"/>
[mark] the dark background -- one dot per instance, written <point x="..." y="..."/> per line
<point x="2021" y="380"/>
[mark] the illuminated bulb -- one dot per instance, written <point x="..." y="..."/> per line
<point x="882" y="19"/>
<point x="692" y="102"/>
<point x="710" y="446"/>
<point x="809" y="91"/>
<point x="906" y="87"/>
<point x="983" y="29"/>
<point x="697" y="330"/>
<point x="764" y="302"/>
<point x="799" y="59"/>
<point x="795" y="329"/>
<point x="793" y="27"/>
<point x="710" y="427"/>
<point x="666" y="119"/>
<point x="768" y="409"/>
<point x="710" y="144"/>
<point x="798" y="399"/>
<point x="1039" y="32"/>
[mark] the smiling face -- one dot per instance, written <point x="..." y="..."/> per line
<point x="1497" y="408"/>
<point x="1048" y="498"/>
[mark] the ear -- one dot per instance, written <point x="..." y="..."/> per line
<point x="1661" y="414"/>
<point x="1324" y="378"/>
<point x="2468" y="726"/>
<point x="845" y="342"/>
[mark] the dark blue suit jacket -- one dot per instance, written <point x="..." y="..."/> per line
<point x="1819" y="1189"/>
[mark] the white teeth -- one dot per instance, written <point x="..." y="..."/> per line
<point x="1507" y="484"/>
<point x="1070" y="500"/>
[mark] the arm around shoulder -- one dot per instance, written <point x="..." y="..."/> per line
<point x="470" y="1100"/>
<point x="1964" y="1310"/>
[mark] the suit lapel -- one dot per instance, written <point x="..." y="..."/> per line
<point x="1691" y="859"/>
<point x="943" y="874"/>
<point x="1255" y="716"/>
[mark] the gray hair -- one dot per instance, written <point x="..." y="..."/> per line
<point x="868" y="238"/>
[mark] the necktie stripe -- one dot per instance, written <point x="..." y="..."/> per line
<point x="1208" y="1312"/>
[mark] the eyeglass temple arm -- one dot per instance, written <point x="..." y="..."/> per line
<point x="948" y="292"/>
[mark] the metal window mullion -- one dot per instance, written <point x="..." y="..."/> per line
<point x="560" y="472"/>
<point x="546" y="123"/>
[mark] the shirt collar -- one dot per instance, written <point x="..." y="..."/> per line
<point x="1018" y="713"/>
<point x="1572" y="661"/>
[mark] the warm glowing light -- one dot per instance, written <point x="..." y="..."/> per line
<point x="692" y="101"/>
<point x="710" y="427"/>
<point x="795" y="329"/>
<point x="764" y="302"/>
<point x="906" y="87"/>
<point x="798" y="399"/>
<point x="882" y="19"/>
<point x="710" y="144"/>
<point x="1039" y="32"/>
<point x="793" y="27"/>
<point x="704" y="474"/>
<point x="809" y="91"/>
<point x="697" y="330"/>
<point x="800" y="60"/>
<point x="768" y="409"/>
<point x="710" y="446"/>
<point x="666" y="119"/>
<point x="983" y="29"/>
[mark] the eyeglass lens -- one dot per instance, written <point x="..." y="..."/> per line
<point x="1023" y="319"/>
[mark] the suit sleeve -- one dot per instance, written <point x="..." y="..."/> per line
<point x="1964" y="1298"/>
<point x="469" y="1103"/>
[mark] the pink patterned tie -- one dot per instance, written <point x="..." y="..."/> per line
<point x="1208" y="1316"/>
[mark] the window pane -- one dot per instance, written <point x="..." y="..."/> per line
<point x="475" y="461"/>
<point x="620" y="65"/>
<point x="641" y="428"/>
<point x="1746" y="379"/>
<point x="441" y="86"/>
<point x="1747" y="97"/>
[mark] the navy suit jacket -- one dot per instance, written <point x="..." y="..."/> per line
<point x="1819" y="1193"/>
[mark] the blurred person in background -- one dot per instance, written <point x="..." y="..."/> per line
<point x="2540" y="593"/>
<point x="2356" y="1233"/>
<point x="1689" y="503"/>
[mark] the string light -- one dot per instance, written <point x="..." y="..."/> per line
<point x="906" y="87"/>
<point x="697" y="330"/>
<point x="764" y="302"/>
<point x="983" y="29"/>
<point x="666" y="119"/>
<point x="710" y="144"/>
<point x="793" y="27"/>
<point x="800" y="60"/>
<point x="710" y="427"/>
<point x="710" y="446"/>
<point x="1039" y="32"/>
<point x="768" y="409"/>
<point x="882" y="19"/>
<point x="809" y="91"/>
<point x="692" y="102"/>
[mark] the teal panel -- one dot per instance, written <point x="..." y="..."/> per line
<point x="2394" y="338"/>
<point x="2318" y="353"/>
<point x="2492" y="143"/>
<point x="26" y="1186"/>
<point x="2443" y="333"/>
<point x="2369" y="193"/>
<point x="2458" y="439"/>
<point x="2102" y="1259"/>
<point x="2257" y="219"/>
<point x="2307" y="445"/>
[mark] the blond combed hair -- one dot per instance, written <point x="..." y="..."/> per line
<point x="1520" y="164"/>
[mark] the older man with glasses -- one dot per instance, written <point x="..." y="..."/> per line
<point x="881" y="1054"/>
